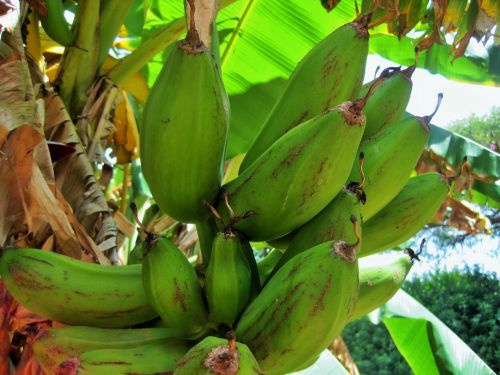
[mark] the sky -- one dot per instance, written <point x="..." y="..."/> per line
<point x="460" y="99"/>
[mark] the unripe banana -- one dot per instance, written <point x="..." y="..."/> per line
<point x="173" y="288"/>
<point x="390" y="157"/>
<point x="332" y="72"/>
<point x="298" y="175"/>
<point x="406" y="214"/>
<point x="53" y="346"/>
<point x="55" y="25"/>
<point x="303" y="307"/>
<point x="156" y="358"/>
<point x="228" y="279"/>
<point x="378" y="284"/>
<point x="333" y="223"/>
<point x="388" y="101"/>
<point x="183" y="133"/>
<point x="217" y="356"/>
<point x="71" y="291"/>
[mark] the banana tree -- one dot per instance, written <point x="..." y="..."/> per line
<point x="75" y="78"/>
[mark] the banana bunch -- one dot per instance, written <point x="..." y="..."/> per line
<point x="301" y="187"/>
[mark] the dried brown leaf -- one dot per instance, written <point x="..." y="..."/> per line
<point x="95" y="125"/>
<point x="16" y="164"/>
<point x="76" y="180"/>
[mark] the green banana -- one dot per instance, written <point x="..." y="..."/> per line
<point x="172" y="286"/>
<point x="53" y="346"/>
<point x="184" y="131"/>
<point x="74" y="292"/>
<point x="333" y="223"/>
<point x="303" y="307"/>
<point x="228" y="279"/>
<point x="215" y="355"/>
<point x="332" y="72"/>
<point x="156" y="358"/>
<point x="388" y="101"/>
<point x="406" y="214"/>
<point x="267" y="264"/>
<point x="390" y="157"/>
<point x="302" y="172"/>
<point x="55" y="25"/>
<point x="378" y="284"/>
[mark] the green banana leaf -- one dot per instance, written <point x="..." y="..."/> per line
<point x="469" y="69"/>
<point x="426" y="343"/>
<point x="326" y="364"/>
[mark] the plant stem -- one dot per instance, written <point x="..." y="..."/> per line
<point x="78" y="66"/>
<point x="206" y="233"/>
<point x="131" y="64"/>
<point x="124" y="191"/>
<point x="112" y="15"/>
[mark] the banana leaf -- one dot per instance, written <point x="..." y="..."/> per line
<point x="426" y="343"/>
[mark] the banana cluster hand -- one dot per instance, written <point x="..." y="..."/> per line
<point x="327" y="178"/>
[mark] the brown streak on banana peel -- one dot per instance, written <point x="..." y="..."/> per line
<point x="319" y="303"/>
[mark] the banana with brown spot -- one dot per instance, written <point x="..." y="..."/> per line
<point x="298" y="175"/>
<point x="302" y="309"/>
<point x="74" y="292"/>
<point x="406" y="214"/>
<point x="52" y="346"/>
<point x="330" y="73"/>
<point x="173" y="288"/>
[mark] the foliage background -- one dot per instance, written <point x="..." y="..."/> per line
<point x="467" y="301"/>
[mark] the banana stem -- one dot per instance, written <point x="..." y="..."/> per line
<point x="131" y="64"/>
<point x="112" y="15"/>
<point x="206" y="233"/>
<point x="78" y="66"/>
<point x="124" y="191"/>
